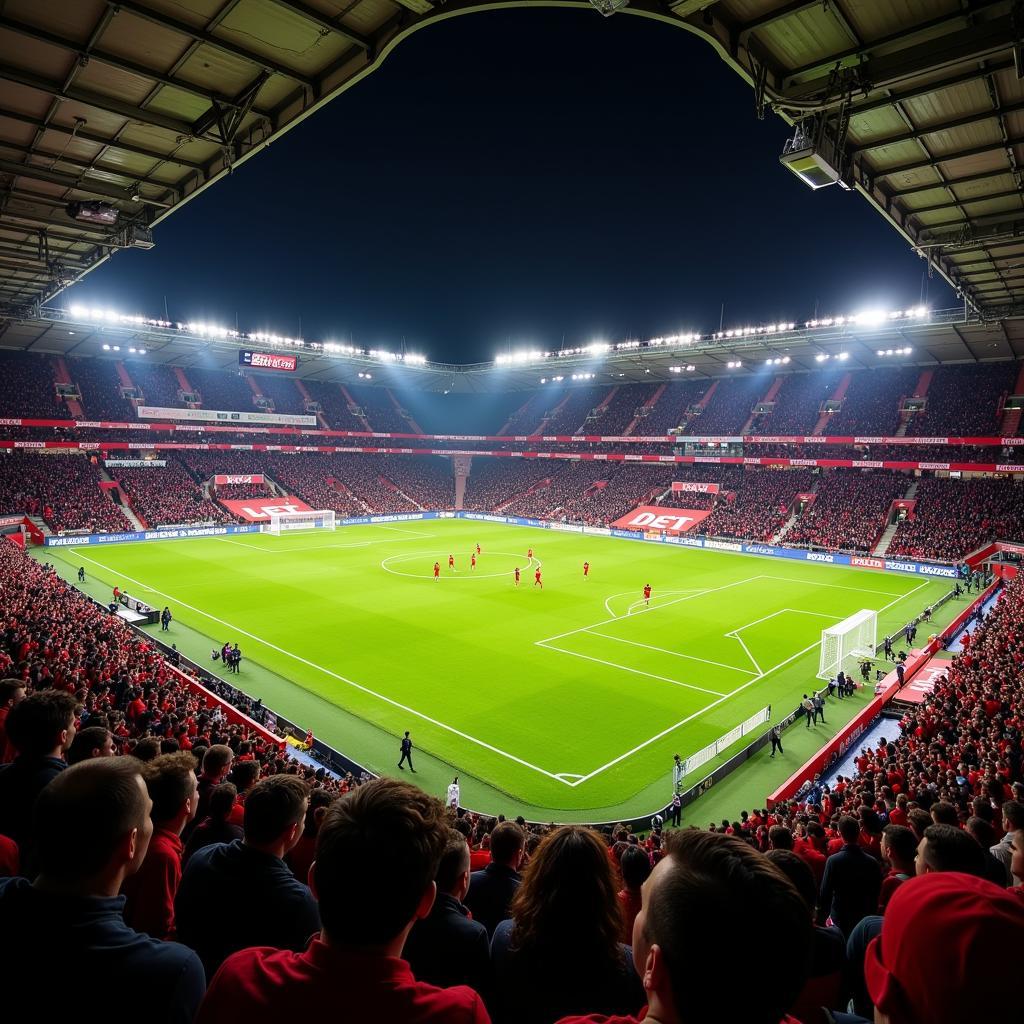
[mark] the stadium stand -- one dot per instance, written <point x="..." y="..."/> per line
<point x="798" y="403"/>
<point x="221" y="390"/>
<point x="848" y="512"/>
<point x="954" y="517"/>
<point x="28" y="388"/>
<point x="964" y="401"/>
<point x="730" y="406"/>
<point x="379" y="410"/>
<point x="670" y="410"/>
<point x="158" y="383"/>
<point x="761" y="504"/>
<point x="620" y="410"/>
<point x="871" y="405"/>
<point x="167" y="496"/>
<point x="99" y="385"/>
<point x="334" y="406"/>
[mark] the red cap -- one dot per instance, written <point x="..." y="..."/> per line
<point x="949" y="944"/>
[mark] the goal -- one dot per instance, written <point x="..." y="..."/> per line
<point x="855" y="637"/>
<point x="282" y="521"/>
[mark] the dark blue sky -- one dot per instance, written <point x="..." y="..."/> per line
<point x="522" y="176"/>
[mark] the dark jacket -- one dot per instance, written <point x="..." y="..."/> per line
<point x="20" y="783"/>
<point x="232" y="897"/>
<point x="209" y="832"/>
<point x="850" y="887"/>
<point x="76" y="956"/>
<point x="490" y="893"/>
<point x="540" y="989"/>
<point x="449" y="948"/>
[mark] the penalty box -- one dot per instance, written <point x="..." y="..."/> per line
<point x="713" y="642"/>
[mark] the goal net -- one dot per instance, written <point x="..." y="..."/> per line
<point x="283" y="521"/>
<point x="841" y="644"/>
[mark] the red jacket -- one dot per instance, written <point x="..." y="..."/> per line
<point x="150" y="891"/>
<point x="263" y="984"/>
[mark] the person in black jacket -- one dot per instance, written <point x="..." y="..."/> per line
<point x="852" y="881"/>
<point x="92" y="829"/>
<point x="241" y="894"/>
<point x="448" y="947"/>
<point x="41" y="728"/>
<point x="215" y="828"/>
<point x="491" y="890"/>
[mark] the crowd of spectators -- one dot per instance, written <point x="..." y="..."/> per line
<point x="100" y="387"/>
<point x="954" y="517"/>
<point x="28" y="388"/>
<point x="964" y="401"/>
<point x="62" y="488"/>
<point x="157" y="382"/>
<point x="311" y="477"/>
<point x="798" y="403"/>
<point x="760" y="506"/>
<point x="284" y="393"/>
<point x="621" y="410"/>
<point x="427" y="479"/>
<point x="334" y="406"/>
<point x="849" y="510"/>
<point x="670" y="410"/>
<point x="221" y="389"/>
<point x="168" y="496"/>
<point x="871" y="405"/>
<point x="528" y="416"/>
<point x="730" y="406"/>
<point x="380" y="411"/>
<point x="569" y="413"/>
<point x="493" y="482"/>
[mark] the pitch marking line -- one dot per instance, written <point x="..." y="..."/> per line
<point x="335" y="675"/>
<point x="626" y="668"/>
<point x="714" y="704"/>
<point x="835" y="586"/>
<point x="735" y="633"/>
<point x="675" y="654"/>
<point x="626" y="593"/>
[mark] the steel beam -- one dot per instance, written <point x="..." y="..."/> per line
<point x="202" y="36"/>
<point x="942" y="158"/>
<point x="326" y="23"/>
<point x="80" y="185"/>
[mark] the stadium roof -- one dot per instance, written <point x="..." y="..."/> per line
<point x="941" y="337"/>
<point x="142" y="104"/>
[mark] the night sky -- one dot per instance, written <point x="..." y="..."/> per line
<point x="524" y="178"/>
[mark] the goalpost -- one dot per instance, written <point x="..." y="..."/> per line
<point x="282" y="521"/>
<point x="854" y="637"/>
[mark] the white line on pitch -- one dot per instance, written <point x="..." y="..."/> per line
<point x="401" y="529"/>
<point x="675" y="654"/>
<point x="835" y="586"/>
<point x="714" y="704"/>
<point x="335" y="675"/>
<point x="625" y="668"/>
<point x="651" y="608"/>
<point x="626" y="593"/>
<point x="753" y="660"/>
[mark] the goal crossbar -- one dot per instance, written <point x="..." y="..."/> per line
<point x="280" y="522"/>
<point x="854" y="637"/>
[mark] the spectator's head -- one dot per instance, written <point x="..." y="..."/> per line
<point x="780" y="838"/>
<point x="981" y="831"/>
<point x="319" y="800"/>
<point x="945" y="814"/>
<point x="92" y="827"/>
<point x="377" y="856"/>
<point x="11" y="692"/>
<point x="947" y="848"/>
<point x="948" y="946"/>
<point x="899" y="847"/>
<point x="217" y="762"/>
<point x="635" y="867"/>
<point x="222" y="800"/>
<point x="171" y="781"/>
<point x="849" y="829"/>
<point x="1017" y="855"/>
<point x="1013" y="814"/>
<point x="918" y="819"/>
<point x="719" y="880"/>
<point x="244" y="775"/>
<point x="508" y="845"/>
<point x="94" y="741"/>
<point x="798" y="872"/>
<point x="146" y="749"/>
<point x="453" y="871"/>
<point x="275" y="809"/>
<point x="567" y="906"/>
<point x="43" y="724"/>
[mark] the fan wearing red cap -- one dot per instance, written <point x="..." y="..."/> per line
<point x="949" y="943"/>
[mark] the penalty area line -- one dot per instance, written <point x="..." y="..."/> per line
<point x="334" y="675"/>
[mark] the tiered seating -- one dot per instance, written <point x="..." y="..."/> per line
<point x="427" y="479"/>
<point x="157" y="382"/>
<point x="334" y="405"/>
<point x="872" y="402"/>
<point x="168" y="496"/>
<point x="954" y="517"/>
<point x="849" y="510"/>
<point x="241" y="492"/>
<point x="28" y="389"/>
<point x="670" y="410"/>
<point x="63" y="489"/>
<point x="307" y="477"/>
<point x="569" y="418"/>
<point x="380" y="410"/>
<point x="286" y="396"/>
<point x="763" y="498"/>
<point x="363" y="476"/>
<point x="527" y="418"/>
<point x="492" y="482"/>
<point x="963" y="401"/>
<point x="730" y="406"/>
<point x="99" y="385"/>
<point x="619" y="412"/>
<point x="222" y="390"/>
<point x="797" y="403"/>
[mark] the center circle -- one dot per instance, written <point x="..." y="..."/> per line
<point x="462" y="569"/>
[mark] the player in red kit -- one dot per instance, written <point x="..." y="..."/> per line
<point x="472" y="561"/>
<point x="517" y="575"/>
<point x="529" y="553"/>
<point x="451" y="561"/>
<point x="478" y="549"/>
<point x="437" y="570"/>
<point x="586" y="570"/>
<point x="647" y="594"/>
<point x="537" y="581"/>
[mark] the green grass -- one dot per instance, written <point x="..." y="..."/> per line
<point x="563" y="703"/>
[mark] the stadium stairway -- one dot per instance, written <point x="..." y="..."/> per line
<point x="353" y="404"/>
<point x="321" y="419"/>
<point x="62" y="375"/>
<point x="785" y="528"/>
<point x="648" y="406"/>
<point x="837" y="396"/>
<point x="882" y="547"/>
<point x="41" y="525"/>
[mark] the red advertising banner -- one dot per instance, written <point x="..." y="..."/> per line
<point x="258" y="510"/>
<point x="267" y="360"/>
<point x="666" y="520"/>
<point x="685" y="485"/>
<point x="238" y="478"/>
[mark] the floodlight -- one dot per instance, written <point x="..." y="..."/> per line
<point x="92" y="212"/>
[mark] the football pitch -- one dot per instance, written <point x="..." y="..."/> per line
<point x="567" y="701"/>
